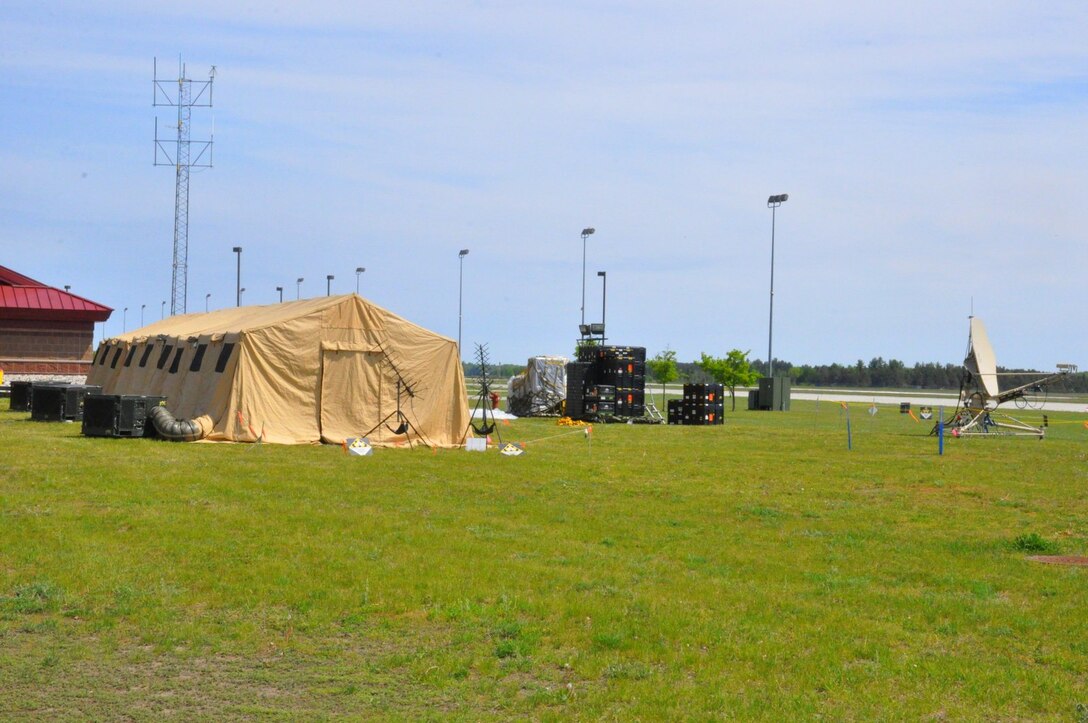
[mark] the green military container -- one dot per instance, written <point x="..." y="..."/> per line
<point x="774" y="394"/>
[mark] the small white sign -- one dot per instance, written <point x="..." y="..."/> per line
<point x="359" y="446"/>
<point x="510" y="449"/>
<point x="476" y="444"/>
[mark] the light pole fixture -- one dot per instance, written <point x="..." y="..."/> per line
<point x="358" y="272"/>
<point x="586" y="233"/>
<point x="604" y="297"/>
<point x="142" y="307"/>
<point x="298" y="288"/>
<point x="124" y="320"/>
<point x="206" y="297"/>
<point x="67" y="288"/>
<point x="280" y="289"/>
<point x="772" y="203"/>
<point x="328" y="284"/>
<point x="162" y="311"/>
<point x="238" y="282"/>
<point x="460" y="293"/>
<point x="240" y="292"/>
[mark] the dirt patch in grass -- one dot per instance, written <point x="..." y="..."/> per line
<point x="1078" y="560"/>
<point x="360" y="678"/>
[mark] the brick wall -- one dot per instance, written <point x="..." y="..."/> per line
<point x="45" y="347"/>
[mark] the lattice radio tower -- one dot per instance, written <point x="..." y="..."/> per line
<point x="184" y="94"/>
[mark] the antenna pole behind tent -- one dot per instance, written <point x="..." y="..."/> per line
<point x="483" y="399"/>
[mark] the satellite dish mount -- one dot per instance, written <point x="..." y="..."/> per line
<point x="981" y="394"/>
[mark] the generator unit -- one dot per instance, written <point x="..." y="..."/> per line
<point x="59" y="403"/>
<point x="119" y="415"/>
<point x="20" y="397"/>
<point x="22" y="394"/>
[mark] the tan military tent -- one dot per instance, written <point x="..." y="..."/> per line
<point x="297" y="372"/>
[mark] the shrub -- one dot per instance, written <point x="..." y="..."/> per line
<point x="36" y="597"/>
<point x="1032" y="542"/>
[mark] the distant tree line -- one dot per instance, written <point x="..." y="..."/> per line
<point x="890" y="373"/>
<point x="893" y="373"/>
<point x="494" y="371"/>
<point x="877" y="373"/>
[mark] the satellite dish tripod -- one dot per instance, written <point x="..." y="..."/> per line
<point x="980" y="394"/>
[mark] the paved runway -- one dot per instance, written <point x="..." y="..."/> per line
<point x="920" y="397"/>
<point x="933" y="399"/>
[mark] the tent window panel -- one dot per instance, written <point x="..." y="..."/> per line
<point x="128" y="357"/>
<point x="116" y="357"/>
<point x="198" y="358"/>
<point x="146" y="355"/>
<point x="177" y="361"/>
<point x="164" y="356"/>
<point x="224" y="357"/>
<point x="103" y="352"/>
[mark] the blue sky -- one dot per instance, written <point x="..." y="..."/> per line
<point x="935" y="159"/>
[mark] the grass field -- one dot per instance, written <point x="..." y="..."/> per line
<point x="755" y="570"/>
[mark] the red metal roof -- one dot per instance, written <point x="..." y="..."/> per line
<point x="21" y="297"/>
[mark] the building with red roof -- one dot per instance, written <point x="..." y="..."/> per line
<point x="45" y="330"/>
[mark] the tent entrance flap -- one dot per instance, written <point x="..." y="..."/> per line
<point x="355" y="393"/>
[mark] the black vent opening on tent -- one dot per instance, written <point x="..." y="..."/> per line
<point x="146" y="355"/>
<point x="198" y="358"/>
<point x="116" y="356"/>
<point x="128" y="357"/>
<point x="177" y="361"/>
<point x="164" y="356"/>
<point x="224" y="357"/>
<point x="103" y="350"/>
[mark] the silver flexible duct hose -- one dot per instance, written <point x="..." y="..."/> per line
<point x="176" y="430"/>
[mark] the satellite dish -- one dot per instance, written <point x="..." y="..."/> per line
<point x="980" y="395"/>
<point x="981" y="360"/>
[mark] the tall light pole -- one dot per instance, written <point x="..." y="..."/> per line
<point x="772" y="203"/>
<point x="238" y="283"/>
<point x="162" y="311"/>
<point x="604" y="297"/>
<point x="241" y="291"/>
<point x="358" y="272"/>
<point x="586" y="233"/>
<point x="142" y="307"/>
<point x="298" y="288"/>
<point x="124" y="320"/>
<point x="280" y="289"/>
<point x="460" y="291"/>
<point x="328" y="285"/>
<point x="207" y="296"/>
